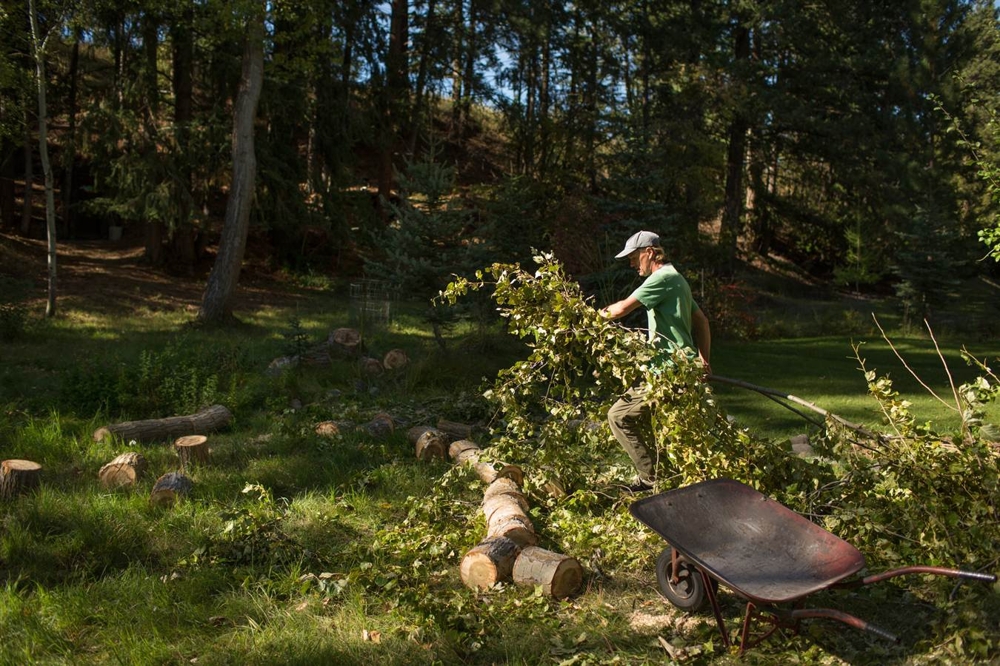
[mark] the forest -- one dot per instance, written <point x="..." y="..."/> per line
<point x="852" y="138"/>
<point x="302" y="361"/>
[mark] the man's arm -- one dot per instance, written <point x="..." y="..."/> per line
<point x="621" y="308"/>
<point x="702" y="334"/>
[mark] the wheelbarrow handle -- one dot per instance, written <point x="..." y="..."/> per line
<point x="840" y="616"/>
<point x="937" y="571"/>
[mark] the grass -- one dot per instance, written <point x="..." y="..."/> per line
<point x="314" y="564"/>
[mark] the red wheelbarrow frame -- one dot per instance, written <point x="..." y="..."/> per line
<point x="763" y="551"/>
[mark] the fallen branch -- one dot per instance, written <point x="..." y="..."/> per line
<point x="210" y="419"/>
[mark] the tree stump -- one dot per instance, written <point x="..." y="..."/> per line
<point x="371" y="366"/>
<point x="432" y="445"/>
<point x="210" y="419"/>
<point x="192" y="449"/>
<point x="380" y="426"/>
<point x="169" y="488"/>
<point x="18" y="477"/>
<point x="333" y="428"/>
<point x="489" y="563"/>
<point x="455" y="429"/>
<point x="124" y="470"/>
<point x="395" y="359"/>
<point x="345" y="341"/>
<point x="559" y="575"/>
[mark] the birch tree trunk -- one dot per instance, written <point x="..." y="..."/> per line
<point x="216" y="305"/>
<point x="38" y="51"/>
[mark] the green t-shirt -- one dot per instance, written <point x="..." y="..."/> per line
<point x="669" y="305"/>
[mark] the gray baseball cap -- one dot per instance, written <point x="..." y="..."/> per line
<point x="637" y="241"/>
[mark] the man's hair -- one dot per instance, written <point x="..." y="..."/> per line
<point x="658" y="254"/>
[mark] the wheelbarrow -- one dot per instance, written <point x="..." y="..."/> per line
<point x="722" y="531"/>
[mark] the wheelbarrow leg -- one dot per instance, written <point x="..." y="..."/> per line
<point x="726" y="643"/>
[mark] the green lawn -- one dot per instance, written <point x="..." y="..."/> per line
<point x="825" y="372"/>
<point x="346" y="550"/>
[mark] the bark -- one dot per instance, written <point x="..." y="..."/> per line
<point x="210" y="419"/>
<point x="192" y="449"/>
<point x="18" y="477"/>
<point x="216" y="305"/>
<point x="455" y="429"/>
<point x="505" y="508"/>
<point x="489" y="563"/>
<point x="559" y="575"/>
<point x="124" y="470"/>
<point x="38" y="50"/>
<point x="7" y="200"/>
<point x="169" y="488"/>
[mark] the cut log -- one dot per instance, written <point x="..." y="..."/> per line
<point x="344" y="341"/>
<point x="457" y="430"/>
<point x="371" y="366"/>
<point x="124" y="470"/>
<point x="459" y="447"/>
<point x="316" y="356"/>
<point x="333" y="428"/>
<point x="559" y="575"/>
<point x="192" y="449"/>
<point x="210" y="419"/>
<point x="501" y="487"/>
<point x="18" y="477"/>
<point x="512" y="472"/>
<point x="169" y="488"/>
<point x="380" y="426"/>
<point x="414" y="433"/>
<point x="489" y="563"/>
<point x="432" y="445"/>
<point x="395" y="359"/>
<point x="516" y="528"/>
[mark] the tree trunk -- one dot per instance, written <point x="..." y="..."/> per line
<point x="69" y="149"/>
<point x="124" y="470"/>
<point x="394" y="94"/>
<point x="18" y="477"/>
<point x="182" y="38"/>
<point x="7" y="150"/>
<point x="38" y="50"/>
<point x="192" y="449"/>
<point x="430" y="34"/>
<point x="489" y="563"/>
<point x="169" y="488"/>
<point x="216" y="305"/>
<point x="210" y="419"/>
<point x="559" y="575"/>
<point x="27" y="202"/>
<point x="732" y="213"/>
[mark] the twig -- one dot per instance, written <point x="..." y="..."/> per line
<point x="908" y="368"/>
<point x="947" y="371"/>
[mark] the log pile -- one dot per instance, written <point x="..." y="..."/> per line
<point x="344" y="344"/>
<point x="509" y="552"/>
<point x="209" y="419"/>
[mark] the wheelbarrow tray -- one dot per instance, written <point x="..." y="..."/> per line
<point x="752" y="544"/>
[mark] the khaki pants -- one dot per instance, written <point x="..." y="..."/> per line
<point x="631" y="426"/>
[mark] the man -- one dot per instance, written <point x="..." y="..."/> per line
<point x="675" y="322"/>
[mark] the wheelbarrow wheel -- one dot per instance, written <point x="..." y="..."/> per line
<point x="688" y="593"/>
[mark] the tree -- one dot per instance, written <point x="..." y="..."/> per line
<point x="38" y="45"/>
<point x="216" y="305"/>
